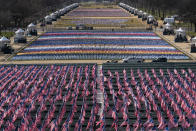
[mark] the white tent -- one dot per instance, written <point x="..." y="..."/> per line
<point x="57" y="13"/>
<point x="48" y="18"/>
<point x="140" y="12"/>
<point x="31" y="27"/>
<point x="68" y="8"/>
<point x="181" y="32"/>
<point x="193" y="45"/>
<point x="193" y="41"/>
<point x="19" y="32"/>
<point x="150" y="17"/>
<point x="135" y="11"/>
<point x="144" y="13"/>
<point x="53" y="16"/>
<point x="61" y="12"/>
<point x="20" y="36"/>
<point x="132" y="10"/>
<point x="4" y="41"/>
<point x="168" y="26"/>
<point x="144" y="16"/>
<point x="31" y="30"/>
<point x="180" y="35"/>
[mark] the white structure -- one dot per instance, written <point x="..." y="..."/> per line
<point x="140" y="13"/>
<point x="53" y="16"/>
<point x="169" y="20"/>
<point x="180" y="32"/>
<point x="136" y="12"/>
<point x="20" y="36"/>
<point x="180" y="35"/>
<point x="31" y="29"/>
<point x="31" y="26"/>
<point x="193" y="45"/>
<point x="58" y="14"/>
<point x="168" y="26"/>
<point x="168" y="29"/>
<point x="150" y="19"/>
<point x="4" y="41"/>
<point x="193" y="41"/>
<point x="69" y="8"/>
<point x="132" y="10"/>
<point x="20" y="32"/>
<point x="48" y="19"/>
<point x="61" y="12"/>
<point x="127" y="7"/>
<point x="144" y="16"/>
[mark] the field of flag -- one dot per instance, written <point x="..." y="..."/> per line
<point x="99" y="17"/>
<point x="149" y="97"/>
<point x="64" y="97"/>
<point x="45" y="97"/>
<point x="99" y="45"/>
<point x="90" y="12"/>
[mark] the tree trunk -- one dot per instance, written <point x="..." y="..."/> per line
<point x="195" y="26"/>
<point x="163" y="14"/>
<point x="159" y="12"/>
<point x="153" y="11"/>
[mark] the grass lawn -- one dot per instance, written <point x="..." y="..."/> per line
<point x="7" y="34"/>
<point x="187" y="27"/>
<point x="192" y="34"/>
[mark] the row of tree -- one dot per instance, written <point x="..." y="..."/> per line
<point x="185" y="9"/>
<point x="19" y="13"/>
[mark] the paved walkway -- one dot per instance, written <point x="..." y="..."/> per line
<point x="17" y="48"/>
<point x="54" y="62"/>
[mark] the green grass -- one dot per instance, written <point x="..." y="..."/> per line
<point x="134" y="22"/>
<point x="182" y="24"/>
<point x="7" y="34"/>
<point x="192" y="34"/>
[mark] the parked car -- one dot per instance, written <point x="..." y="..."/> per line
<point x="160" y="60"/>
<point x="133" y="60"/>
<point x="80" y="27"/>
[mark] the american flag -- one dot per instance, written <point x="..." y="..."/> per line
<point x="162" y="123"/>
<point x="53" y="126"/>
<point x="24" y="126"/>
<point x="137" y="124"/>
<point x="149" y="123"/>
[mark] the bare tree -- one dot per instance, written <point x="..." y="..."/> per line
<point x="18" y="13"/>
